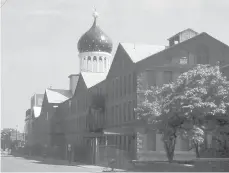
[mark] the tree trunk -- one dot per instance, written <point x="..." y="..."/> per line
<point x="170" y="147"/>
<point x="196" y="145"/>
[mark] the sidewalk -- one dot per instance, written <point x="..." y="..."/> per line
<point x="53" y="161"/>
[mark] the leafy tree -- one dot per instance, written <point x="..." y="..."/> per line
<point x="181" y="107"/>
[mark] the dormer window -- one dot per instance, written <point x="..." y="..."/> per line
<point x="182" y="36"/>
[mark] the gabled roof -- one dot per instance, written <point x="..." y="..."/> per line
<point x="57" y="95"/>
<point x="92" y="79"/>
<point x="137" y="52"/>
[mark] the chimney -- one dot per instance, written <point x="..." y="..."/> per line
<point x="73" y="80"/>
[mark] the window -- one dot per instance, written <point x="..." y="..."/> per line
<point x="128" y="143"/>
<point x="105" y="64"/>
<point x="116" y="85"/>
<point x="76" y="106"/>
<point x="113" y="90"/>
<point x="191" y="59"/>
<point x="129" y="110"/>
<point x="120" y="141"/>
<point x="94" y="64"/>
<point x="120" y="113"/>
<point x="124" y="142"/>
<point x="85" y="102"/>
<point x="117" y="115"/>
<point x="129" y="84"/>
<point x="134" y="83"/>
<point x="116" y="140"/>
<point x="105" y="117"/>
<point x="184" y="60"/>
<point x="134" y="106"/>
<point x="89" y="64"/>
<point x="124" y="87"/>
<point x="124" y="112"/>
<point x="47" y="116"/>
<point x="168" y="76"/>
<point x="84" y="64"/>
<point x="120" y="88"/>
<point x="112" y="115"/>
<point x="70" y="106"/>
<point x="100" y="64"/>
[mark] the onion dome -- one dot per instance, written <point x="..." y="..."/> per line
<point x="95" y="40"/>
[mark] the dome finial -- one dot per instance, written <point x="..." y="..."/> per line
<point x="95" y="15"/>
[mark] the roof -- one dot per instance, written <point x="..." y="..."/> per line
<point x="189" y="29"/>
<point x="37" y="111"/>
<point x="73" y="75"/>
<point x="95" y="40"/>
<point x="92" y="79"/>
<point x="57" y="95"/>
<point x="137" y="52"/>
<point x="187" y="43"/>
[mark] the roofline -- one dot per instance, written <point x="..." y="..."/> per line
<point x="73" y="75"/>
<point x="181" y="32"/>
<point x="216" y="39"/>
<point x="174" y="46"/>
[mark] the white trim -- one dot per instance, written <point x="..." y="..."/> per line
<point x="85" y="54"/>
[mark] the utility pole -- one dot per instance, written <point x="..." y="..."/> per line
<point x="16" y="135"/>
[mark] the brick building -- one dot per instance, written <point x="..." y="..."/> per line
<point x="99" y="108"/>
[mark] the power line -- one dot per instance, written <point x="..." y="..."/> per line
<point x="4" y="3"/>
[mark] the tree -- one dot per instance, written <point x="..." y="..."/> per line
<point x="182" y="106"/>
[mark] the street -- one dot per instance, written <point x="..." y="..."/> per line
<point x="19" y="164"/>
<point x="11" y="163"/>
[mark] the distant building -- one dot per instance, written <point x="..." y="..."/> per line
<point x="42" y="128"/>
<point x="31" y="115"/>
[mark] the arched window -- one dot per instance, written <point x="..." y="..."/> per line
<point x="89" y="64"/>
<point x="94" y="64"/>
<point x="100" y="64"/>
<point x="105" y="64"/>
<point x="84" y="64"/>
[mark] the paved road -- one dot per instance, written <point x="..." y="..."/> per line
<point x="19" y="164"/>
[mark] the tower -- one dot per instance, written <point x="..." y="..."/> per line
<point x="95" y="49"/>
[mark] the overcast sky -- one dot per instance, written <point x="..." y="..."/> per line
<point x="39" y="38"/>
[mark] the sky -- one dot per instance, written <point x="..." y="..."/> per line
<point x="39" y="38"/>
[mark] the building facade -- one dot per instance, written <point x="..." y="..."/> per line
<point x="99" y="108"/>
